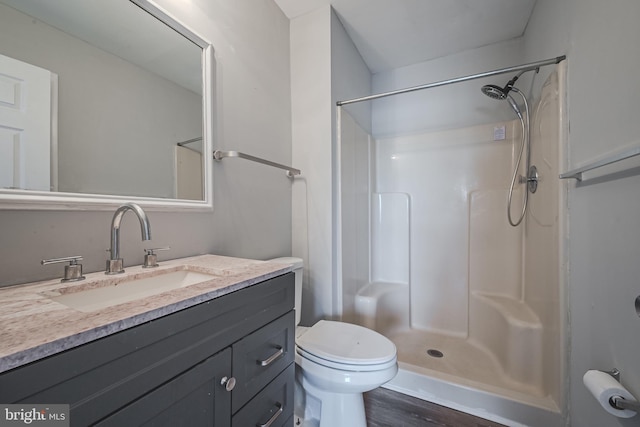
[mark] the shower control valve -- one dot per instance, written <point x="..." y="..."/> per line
<point x="531" y="180"/>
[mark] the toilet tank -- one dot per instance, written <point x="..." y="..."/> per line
<point x="297" y="265"/>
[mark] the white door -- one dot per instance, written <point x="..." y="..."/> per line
<point x="25" y="125"/>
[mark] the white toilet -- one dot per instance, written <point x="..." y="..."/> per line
<point x="335" y="363"/>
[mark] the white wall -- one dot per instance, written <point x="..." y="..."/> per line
<point x="252" y="214"/>
<point x="600" y="40"/>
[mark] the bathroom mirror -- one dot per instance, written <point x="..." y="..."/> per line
<point x="102" y="102"/>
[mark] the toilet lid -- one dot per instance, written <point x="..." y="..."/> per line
<point x="346" y="343"/>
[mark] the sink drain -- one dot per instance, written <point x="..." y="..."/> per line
<point x="435" y="353"/>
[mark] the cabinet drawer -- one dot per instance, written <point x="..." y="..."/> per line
<point x="261" y="356"/>
<point x="272" y="407"/>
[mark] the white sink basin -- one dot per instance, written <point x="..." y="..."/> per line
<point x="130" y="290"/>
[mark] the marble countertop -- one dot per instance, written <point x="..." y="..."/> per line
<point x="34" y="326"/>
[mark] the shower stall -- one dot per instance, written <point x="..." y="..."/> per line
<point x="428" y="257"/>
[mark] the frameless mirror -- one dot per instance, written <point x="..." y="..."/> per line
<point x="102" y="101"/>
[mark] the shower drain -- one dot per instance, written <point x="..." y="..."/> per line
<point x="435" y="353"/>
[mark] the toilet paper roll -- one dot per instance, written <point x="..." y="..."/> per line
<point x="603" y="387"/>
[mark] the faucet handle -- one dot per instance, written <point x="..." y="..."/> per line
<point x="150" y="258"/>
<point x="72" y="272"/>
<point x="114" y="266"/>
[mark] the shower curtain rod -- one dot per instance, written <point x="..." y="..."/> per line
<point x="524" y="67"/>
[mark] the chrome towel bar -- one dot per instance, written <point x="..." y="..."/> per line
<point x="189" y="141"/>
<point x="577" y="173"/>
<point x="219" y="155"/>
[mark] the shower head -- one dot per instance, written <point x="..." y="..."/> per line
<point x="500" y="93"/>
<point x="495" y="92"/>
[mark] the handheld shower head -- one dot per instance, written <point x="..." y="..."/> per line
<point x="500" y="93"/>
<point x="494" y="92"/>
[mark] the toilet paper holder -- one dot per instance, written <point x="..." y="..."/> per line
<point x="620" y="402"/>
<point x="615" y="373"/>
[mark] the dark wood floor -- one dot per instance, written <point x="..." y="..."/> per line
<point x="387" y="408"/>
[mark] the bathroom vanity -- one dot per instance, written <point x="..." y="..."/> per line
<point x="217" y="353"/>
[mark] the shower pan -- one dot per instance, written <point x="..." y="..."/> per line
<point x="473" y="304"/>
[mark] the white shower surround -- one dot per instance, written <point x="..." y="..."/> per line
<point x="472" y="286"/>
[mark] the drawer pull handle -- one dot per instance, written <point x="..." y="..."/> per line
<point x="274" y="417"/>
<point x="273" y="357"/>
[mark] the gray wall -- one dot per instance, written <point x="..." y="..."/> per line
<point x="326" y="68"/>
<point x="600" y="40"/>
<point x="252" y="203"/>
<point x="312" y="151"/>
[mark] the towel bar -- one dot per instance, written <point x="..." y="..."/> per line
<point x="219" y="155"/>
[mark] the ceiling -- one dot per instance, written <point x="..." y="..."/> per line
<point x="393" y="33"/>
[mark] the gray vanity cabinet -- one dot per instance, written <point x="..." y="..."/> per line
<point x="171" y="371"/>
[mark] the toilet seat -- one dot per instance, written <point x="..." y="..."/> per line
<point x="346" y="347"/>
<point x="346" y="367"/>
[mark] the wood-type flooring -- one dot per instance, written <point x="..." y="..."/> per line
<point x="387" y="408"/>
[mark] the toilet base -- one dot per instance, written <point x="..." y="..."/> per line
<point x="318" y="408"/>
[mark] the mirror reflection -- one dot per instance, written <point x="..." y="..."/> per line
<point x="94" y="98"/>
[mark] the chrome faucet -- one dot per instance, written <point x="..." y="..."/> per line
<point x="114" y="263"/>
